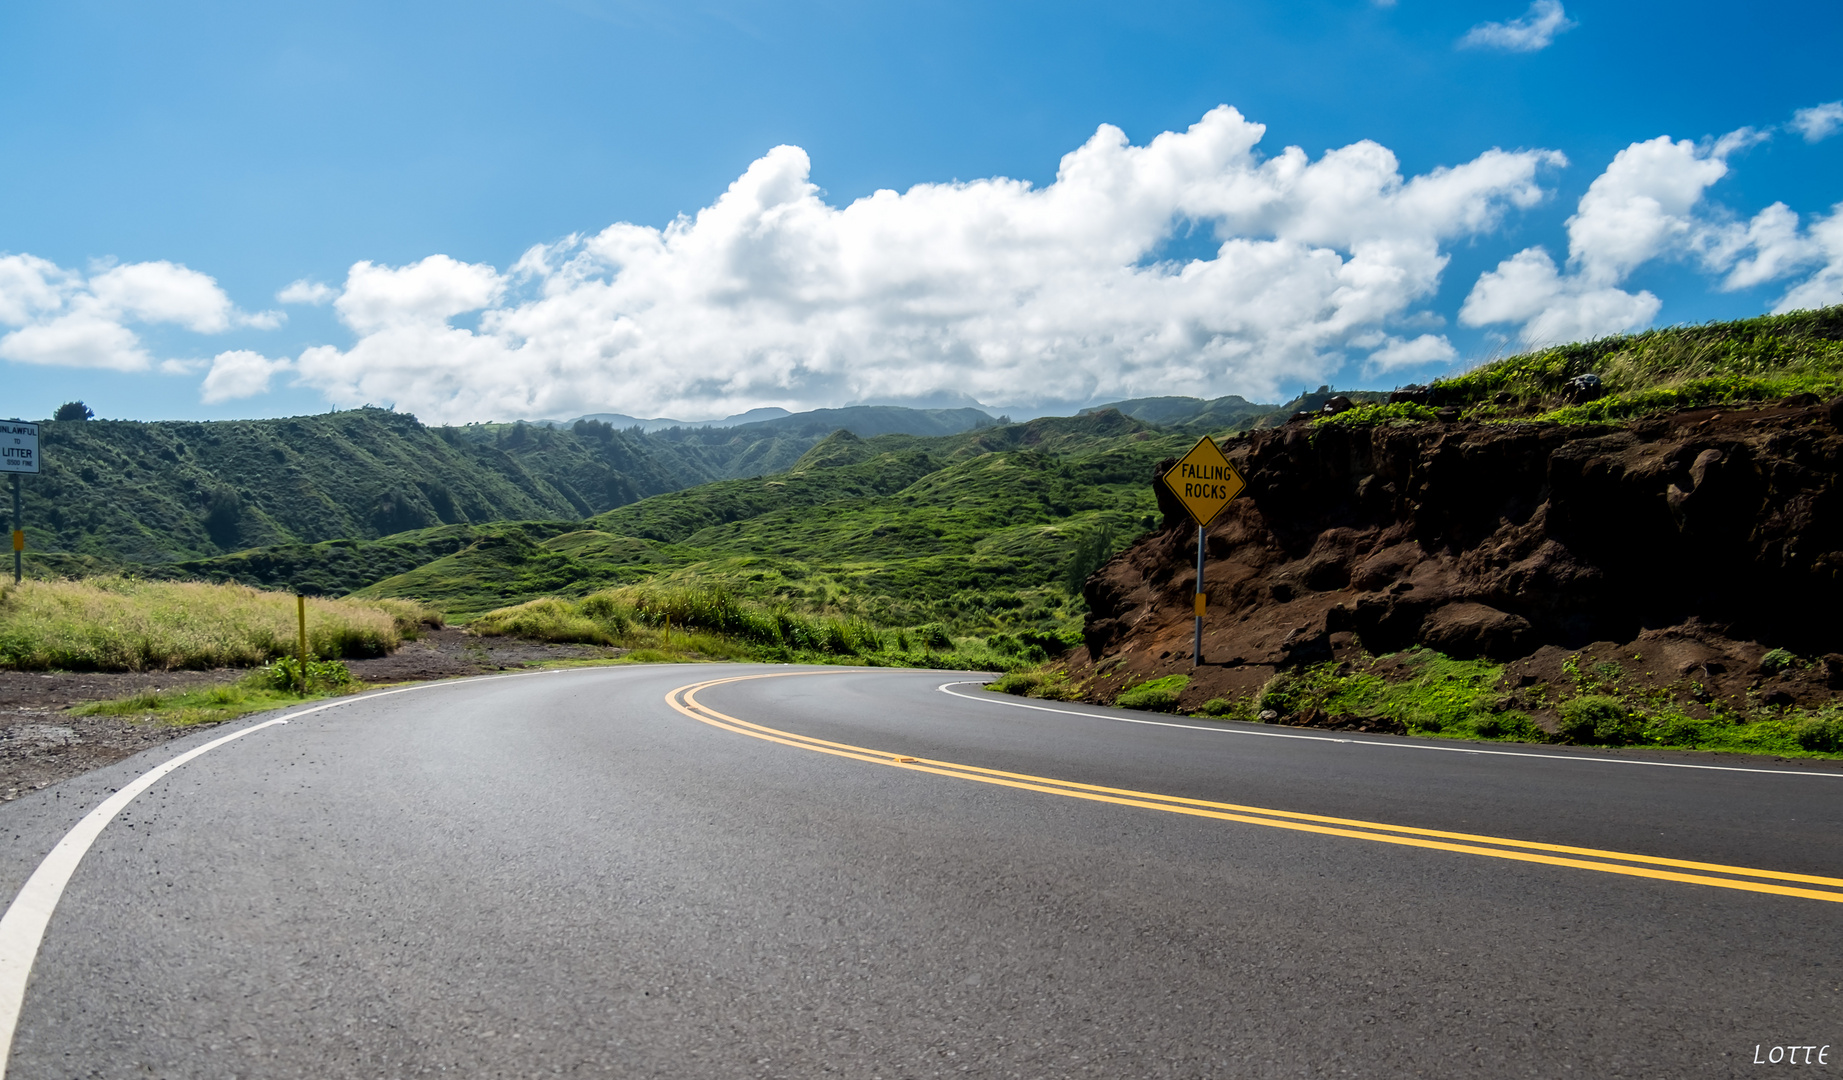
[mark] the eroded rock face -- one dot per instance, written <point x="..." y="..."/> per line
<point x="1721" y="527"/>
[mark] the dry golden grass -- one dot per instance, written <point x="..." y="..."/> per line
<point x="124" y="624"/>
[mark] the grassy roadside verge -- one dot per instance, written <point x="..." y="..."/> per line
<point x="274" y="686"/>
<point x="667" y="624"/>
<point x="1425" y="693"/>
<point x="129" y="624"/>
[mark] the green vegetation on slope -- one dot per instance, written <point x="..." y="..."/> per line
<point x="271" y="687"/>
<point x="160" y="492"/>
<point x="713" y="623"/>
<point x="337" y="567"/>
<point x="1426" y="693"/>
<point x="117" y="491"/>
<point x="1721" y="363"/>
<point x="117" y="624"/>
<point x="987" y="532"/>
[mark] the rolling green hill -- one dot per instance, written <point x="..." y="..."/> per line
<point x="162" y="492"/>
<point x="987" y="530"/>
<point x="121" y="492"/>
<point x="899" y="529"/>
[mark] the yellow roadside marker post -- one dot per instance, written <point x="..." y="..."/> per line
<point x="1205" y="482"/>
<point x="300" y="611"/>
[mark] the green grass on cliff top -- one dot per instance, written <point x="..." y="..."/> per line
<point x="1659" y="371"/>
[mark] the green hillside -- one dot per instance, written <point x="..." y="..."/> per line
<point x="985" y="531"/>
<point x="128" y="492"/>
<point x="990" y="528"/>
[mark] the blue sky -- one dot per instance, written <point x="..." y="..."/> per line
<point x="263" y="145"/>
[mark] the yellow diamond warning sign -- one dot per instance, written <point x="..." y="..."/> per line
<point x="1204" y="481"/>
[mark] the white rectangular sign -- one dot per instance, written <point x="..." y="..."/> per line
<point x="18" y="447"/>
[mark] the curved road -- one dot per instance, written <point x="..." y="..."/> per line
<point x="691" y="871"/>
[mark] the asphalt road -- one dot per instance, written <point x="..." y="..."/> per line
<point x="564" y="874"/>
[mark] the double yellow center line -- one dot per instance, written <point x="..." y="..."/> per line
<point x="684" y="699"/>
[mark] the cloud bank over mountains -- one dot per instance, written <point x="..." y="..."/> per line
<point x="992" y="288"/>
<point x="1013" y="294"/>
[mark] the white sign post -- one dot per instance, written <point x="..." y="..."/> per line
<point x="18" y="455"/>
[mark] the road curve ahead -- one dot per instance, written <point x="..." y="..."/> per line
<point x="740" y="871"/>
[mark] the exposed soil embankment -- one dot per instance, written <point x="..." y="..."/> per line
<point x="1684" y="548"/>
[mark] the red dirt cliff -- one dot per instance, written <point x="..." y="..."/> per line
<point x="1693" y="543"/>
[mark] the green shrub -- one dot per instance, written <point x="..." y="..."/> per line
<point x="1225" y="709"/>
<point x="1020" y="683"/>
<point x="548" y="619"/>
<point x="933" y="636"/>
<point x="1598" y="718"/>
<point x="1052" y="642"/>
<point x="1155" y="695"/>
<point x="1399" y="414"/>
<point x="606" y="610"/>
<point x="1037" y="683"/>
<point x="1776" y="661"/>
<point x="1672" y="728"/>
<point x="1278" y="694"/>
<point x="285" y="674"/>
<point x="1512" y="725"/>
<point x="410" y="616"/>
<point x="1820" y="733"/>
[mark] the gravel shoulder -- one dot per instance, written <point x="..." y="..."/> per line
<point x="42" y="742"/>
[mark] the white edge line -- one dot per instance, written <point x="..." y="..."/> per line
<point x="943" y="688"/>
<point x="23" y="926"/>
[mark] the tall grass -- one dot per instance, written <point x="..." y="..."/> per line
<point x="714" y="622"/>
<point x="1657" y="371"/>
<point x="125" y="624"/>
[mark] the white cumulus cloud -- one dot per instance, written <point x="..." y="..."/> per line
<point x="1819" y="122"/>
<point x="1396" y="353"/>
<point x="82" y="338"/>
<point x="423" y="294"/>
<point x="29" y="286"/>
<point x="1643" y="207"/>
<point x="67" y="320"/>
<point x="1825" y="287"/>
<point x="1527" y="288"/>
<point x="239" y="373"/>
<point x="164" y="292"/>
<point x="306" y="292"/>
<point x="1535" y="31"/>
<point x="994" y="288"/>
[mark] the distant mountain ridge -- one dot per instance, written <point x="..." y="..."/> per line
<point x="1231" y="412"/>
<point x="623" y="421"/>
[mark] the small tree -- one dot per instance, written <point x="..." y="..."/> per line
<point x="73" y="410"/>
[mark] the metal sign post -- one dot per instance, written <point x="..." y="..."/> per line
<point x="1196" y="646"/>
<point x="18" y="455"/>
<point x="1205" y="482"/>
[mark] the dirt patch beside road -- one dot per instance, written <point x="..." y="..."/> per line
<point x="42" y="742"/>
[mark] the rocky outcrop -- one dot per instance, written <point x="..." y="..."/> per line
<point x="1719" y="530"/>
